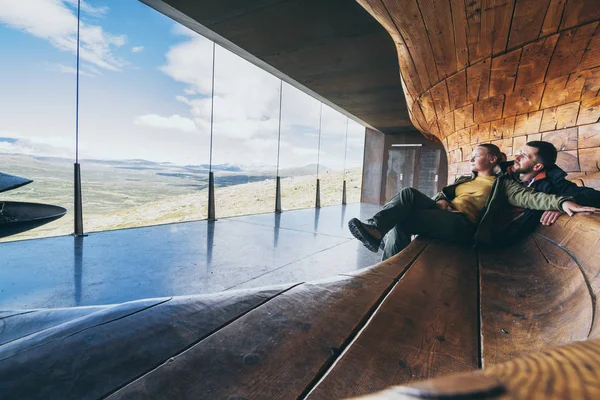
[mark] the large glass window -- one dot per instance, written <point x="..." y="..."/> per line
<point x="37" y="106"/>
<point x="299" y="149"/>
<point x="245" y="136"/>
<point x="355" y="148"/>
<point x="331" y="156"/>
<point x="144" y="120"/>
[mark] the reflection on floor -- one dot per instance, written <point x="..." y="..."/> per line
<point x="182" y="259"/>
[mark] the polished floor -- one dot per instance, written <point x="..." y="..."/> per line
<point x="182" y="259"/>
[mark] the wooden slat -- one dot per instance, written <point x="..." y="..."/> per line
<point x="591" y="87"/>
<point x="564" y="90"/>
<point x="438" y="21"/>
<point x="457" y="90"/>
<point x="589" y="136"/>
<point x="463" y="117"/>
<point x="504" y="71"/>
<point x="579" y="12"/>
<point x="568" y="161"/>
<point x="20" y="325"/>
<point x="503" y="128"/>
<point x="589" y="111"/>
<point x="289" y="340"/>
<point x="527" y="22"/>
<point x="519" y="142"/>
<point x="478" y="78"/>
<point x="528" y="123"/>
<point x="528" y="304"/>
<point x="591" y="56"/>
<point x="459" y="20"/>
<point x="439" y="93"/>
<point x="426" y="327"/>
<point x="581" y="236"/>
<point x="524" y="100"/>
<point x="565" y="139"/>
<point x="535" y="60"/>
<point x="569" y="50"/>
<point x="56" y="333"/>
<point x="426" y="103"/>
<point x="92" y="363"/>
<point x="480" y="133"/>
<point x="503" y="12"/>
<point x="589" y="159"/>
<point x="489" y="109"/>
<point x="553" y="16"/>
<point x="446" y="124"/>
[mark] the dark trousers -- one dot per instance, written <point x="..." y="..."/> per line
<point x="411" y="212"/>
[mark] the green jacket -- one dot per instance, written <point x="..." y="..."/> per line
<point x="505" y="193"/>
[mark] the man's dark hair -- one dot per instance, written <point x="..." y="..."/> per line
<point x="546" y="152"/>
<point x="492" y="150"/>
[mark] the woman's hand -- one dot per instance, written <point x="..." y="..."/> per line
<point x="444" y="205"/>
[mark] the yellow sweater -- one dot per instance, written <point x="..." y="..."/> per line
<point x="471" y="197"/>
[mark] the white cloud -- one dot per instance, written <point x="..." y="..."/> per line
<point x="174" y="122"/>
<point x="55" y="67"/>
<point x="54" y="21"/>
<point x="137" y="49"/>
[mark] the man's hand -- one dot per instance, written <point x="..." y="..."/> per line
<point x="444" y="205"/>
<point x="570" y="207"/>
<point x="549" y="217"/>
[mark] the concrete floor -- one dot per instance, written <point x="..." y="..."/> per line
<point x="182" y="259"/>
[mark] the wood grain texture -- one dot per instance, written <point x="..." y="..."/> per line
<point x="426" y="327"/>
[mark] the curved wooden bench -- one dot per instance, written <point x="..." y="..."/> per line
<point x="433" y="310"/>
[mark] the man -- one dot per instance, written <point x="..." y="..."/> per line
<point x="534" y="166"/>
<point x="461" y="212"/>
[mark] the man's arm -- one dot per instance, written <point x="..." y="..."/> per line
<point x="582" y="195"/>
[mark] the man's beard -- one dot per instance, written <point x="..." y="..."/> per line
<point x="520" y="170"/>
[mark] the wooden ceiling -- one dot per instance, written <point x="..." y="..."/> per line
<point x="485" y="70"/>
<point x="334" y="48"/>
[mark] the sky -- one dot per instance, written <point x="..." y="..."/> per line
<point x="145" y="93"/>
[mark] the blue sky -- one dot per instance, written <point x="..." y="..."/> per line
<point x="144" y="92"/>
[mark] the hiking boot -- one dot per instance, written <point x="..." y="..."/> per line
<point x="359" y="231"/>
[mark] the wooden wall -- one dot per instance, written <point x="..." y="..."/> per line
<point x="500" y="71"/>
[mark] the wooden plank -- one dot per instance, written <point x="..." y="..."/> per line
<point x="591" y="56"/>
<point x="535" y="60"/>
<point x="566" y="115"/>
<point x="505" y="146"/>
<point x="504" y="71"/>
<point x="438" y="21"/>
<point x="489" y="109"/>
<point x="535" y="136"/>
<point x="589" y="136"/>
<point x="446" y="124"/>
<point x="503" y="12"/>
<point x="408" y="20"/>
<point x="553" y="16"/>
<point x="90" y="364"/>
<point x="564" y="90"/>
<point x="463" y="117"/>
<point x="473" y="14"/>
<point x="548" y="119"/>
<point x="569" y="50"/>
<point x="478" y="78"/>
<point x="288" y="339"/>
<point x="568" y="161"/>
<point x="589" y="159"/>
<point x="452" y="141"/>
<point x="503" y="128"/>
<point x="518" y="143"/>
<point x="579" y="12"/>
<point x="589" y="111"/>
<point x="426" y="327"/>
<point x="591" y="88"/>
<point x="24" y="324"/>
<point x="459" y="22"/>
<point x="480" y="133"/>
<point x="439" y="93"/>
<point x="523" y="100"/>
<point x="426" y="103"/>
<point x="527" y="22"/>
<point x="457" y="90"/>
<point x="528" y="304"/>
<point x="565" y="139"/>
<point x="56" y="333"/>
<point x="528" y="123"/>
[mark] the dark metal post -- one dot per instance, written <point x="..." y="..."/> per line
<point x="211" y="196"/>
<point x="78" y="203"/>
<point x="318" y="200"/>
<point x="344" y="194"/>
<point x="278" y="196"/>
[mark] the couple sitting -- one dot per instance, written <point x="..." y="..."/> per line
<point x="478" y="207"/>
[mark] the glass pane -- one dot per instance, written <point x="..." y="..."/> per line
<point x="144" y="107"/>
<point x="428" y="171"/>
<point x="355" y="149"/>
<point x="299" y="149"/>
<point x="400" y="172"/>
<point x="37" y="107"/>
<point x="331" y="158"/>
<point x="245" y="136"/>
